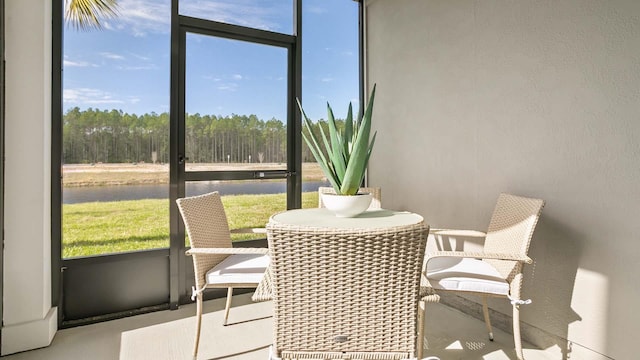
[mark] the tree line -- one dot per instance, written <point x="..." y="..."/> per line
<point x="112" y="136"/>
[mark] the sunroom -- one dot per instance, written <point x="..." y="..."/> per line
<point x="474" y="99"/>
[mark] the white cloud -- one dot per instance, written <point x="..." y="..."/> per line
<point x="315" y="9"/>
<point x="240" y="12"/>
<point x="112" y="56"/>
<point x="226" y="81"/>
<point x="140" y="57"/>
<point x="89" y="97"/>
<point x="70" y="63"/>
<point x="107" y="24"/>
<point x="232" y="87"/>
<point x="327" y="79"/>
<point x="138" y="67"/>
<point x="272" y="78"/>
<point x="143" y="64"/>
<point x="141" y="17"/>
<point x="212" y="78"/>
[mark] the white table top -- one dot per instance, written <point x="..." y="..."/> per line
<point x="323" y="218"/>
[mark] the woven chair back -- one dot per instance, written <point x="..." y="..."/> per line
<point x="346" y="293"/>
<point x="206" y="223"/>
<point x="376" y="203"/>
<point x="510" y="230"/>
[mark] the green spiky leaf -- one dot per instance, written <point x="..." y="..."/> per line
<point x="336" y="151"/>
<point x="345" y="156"/>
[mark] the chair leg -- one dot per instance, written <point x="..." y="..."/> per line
<point x="422" y="307"/>
<point x="516" y="332"/>
<point x="487" y="320"/>
<point x="228" y="305"/>
<point x="198" y="324"/>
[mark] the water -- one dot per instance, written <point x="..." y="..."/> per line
<point x="75" y="195"/>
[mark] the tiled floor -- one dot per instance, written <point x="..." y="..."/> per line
<point x="169" y="335"/>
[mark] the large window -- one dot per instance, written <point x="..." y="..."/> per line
<point x="174" y="98"/>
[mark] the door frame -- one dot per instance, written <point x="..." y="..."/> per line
<point x="2" y="105"/>
<point x="57" y="15"/>
<point x="180" y="278"/>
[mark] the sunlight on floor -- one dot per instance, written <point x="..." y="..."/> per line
<point x="169" y="335"/>
<point x="247" y="336"/>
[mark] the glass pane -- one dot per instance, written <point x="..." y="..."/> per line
<point x="270" y="15"/>
<point x="116" y="133"/>
<point x="248" y="204"/>
<point x="236" y="104"/>
<point x="330" y="73"/>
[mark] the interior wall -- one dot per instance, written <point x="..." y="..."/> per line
<point x="29" y="321"/>
<point x="532" y="97"/>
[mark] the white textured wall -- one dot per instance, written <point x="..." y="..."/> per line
<point x="29" y="321"/>
<point x="537" y="98"/>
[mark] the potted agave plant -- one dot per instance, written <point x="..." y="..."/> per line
<point x="343" y="156"/>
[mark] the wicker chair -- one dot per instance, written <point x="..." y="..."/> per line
<point x="496" y="272"/>
<point x="345" y="294"/>
<point x="376" y="203"/>
<point x="216" y="263"/>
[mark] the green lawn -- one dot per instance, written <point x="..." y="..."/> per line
<point x="120" y="226"/>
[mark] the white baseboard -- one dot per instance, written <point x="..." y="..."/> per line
<point x="29" y="335"/>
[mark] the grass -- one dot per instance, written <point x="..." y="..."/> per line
<point x="120" y="226"/>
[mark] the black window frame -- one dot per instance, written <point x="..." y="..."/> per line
<point x="294" y="147"/>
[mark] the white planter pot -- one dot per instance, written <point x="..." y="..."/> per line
<point x="347" y="205"/>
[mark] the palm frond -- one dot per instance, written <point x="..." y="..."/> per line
<point x="86" y="14"/>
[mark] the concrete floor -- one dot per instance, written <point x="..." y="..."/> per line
<point x="169" y="335"/>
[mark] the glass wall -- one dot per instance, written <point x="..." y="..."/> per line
<point x="115" y="146"/>
<point x="232" y="121"/>
<point x="235" y="121"/>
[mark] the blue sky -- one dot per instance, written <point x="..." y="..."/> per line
<point x="126" y="65"/>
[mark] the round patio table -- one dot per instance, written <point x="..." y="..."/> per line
<point x="315" y="221"/>
<point x="345" y="285"/>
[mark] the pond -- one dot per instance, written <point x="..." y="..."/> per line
<point x="73" y="195"/>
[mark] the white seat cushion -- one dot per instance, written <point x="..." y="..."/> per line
<point x="239" y="269"/>
<point x="465" y="274"/>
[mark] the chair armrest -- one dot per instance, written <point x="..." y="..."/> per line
<point x="480" y="255"/>
<point x="249" y="231"/>
<point x="200" y="251"/>
<point x="454" y="232"/>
